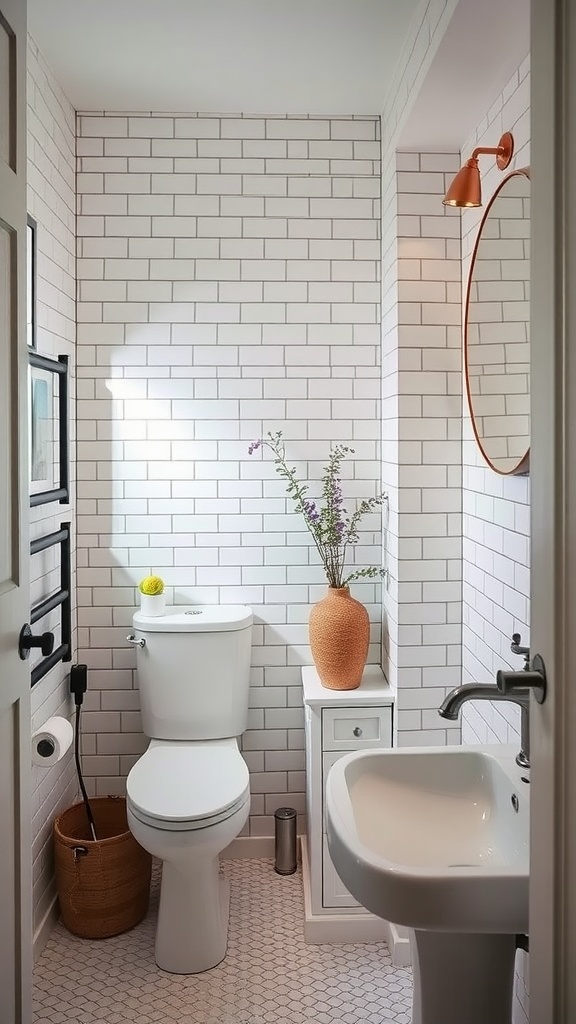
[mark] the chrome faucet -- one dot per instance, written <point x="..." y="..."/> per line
<point x="451" y="705"/>
<point x="511" y="686"/>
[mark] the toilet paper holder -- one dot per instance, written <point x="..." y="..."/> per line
<point x="52" y="741"/>
<point x="45" y="748"/>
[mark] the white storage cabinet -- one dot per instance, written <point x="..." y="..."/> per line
<point x="338" y="722"/>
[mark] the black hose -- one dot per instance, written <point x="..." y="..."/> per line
<point x="89" y="814"/>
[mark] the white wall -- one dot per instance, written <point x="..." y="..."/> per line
<point x="422" y="349"/>
<point x="496" y="509"/>
<point x="414" y="326"/>
<point x="228" y="286"/>
<point x="51" y="201"/>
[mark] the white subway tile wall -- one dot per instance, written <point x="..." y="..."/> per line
<point x="51" y="202"/>
<point x="496" y="512"/>
<point x="421" y="383"/>
<point x="496" y="509"/>
<point x="420" y="47"/>
<point x="228" y="285"/>
<point x="426" y="31"/>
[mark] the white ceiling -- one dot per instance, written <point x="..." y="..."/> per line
<point x="243" y="56"/>
<point x="481" y="48"/>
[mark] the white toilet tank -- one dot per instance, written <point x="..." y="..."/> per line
<point x="193" y="671"/>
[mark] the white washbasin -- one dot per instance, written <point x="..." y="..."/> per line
<point x="431" y="837"/>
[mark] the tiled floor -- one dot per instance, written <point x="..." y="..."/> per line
<point x="269" y="976"/>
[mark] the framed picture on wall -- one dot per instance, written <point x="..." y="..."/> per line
<point x="31" y="244"/>
<point x="42" y="424"/>
<point x="48" y="429"/>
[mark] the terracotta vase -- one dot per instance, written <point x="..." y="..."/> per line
<point x="339" y="638"/>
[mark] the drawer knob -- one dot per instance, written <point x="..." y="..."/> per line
<point x="357" y="731"/>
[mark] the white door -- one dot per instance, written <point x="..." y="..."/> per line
<point x="553" y="473"/>
<point x="15" y="852"/>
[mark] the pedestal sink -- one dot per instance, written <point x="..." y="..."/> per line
<point x="438" y="840"/>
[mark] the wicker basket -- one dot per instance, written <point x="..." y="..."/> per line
<point x="103" y="885"/>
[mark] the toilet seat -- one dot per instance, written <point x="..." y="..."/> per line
<point x="182" y="786"/>
<point x="197" y="825"/>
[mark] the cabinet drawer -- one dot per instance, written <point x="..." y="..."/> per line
<point x="356" y="728"/>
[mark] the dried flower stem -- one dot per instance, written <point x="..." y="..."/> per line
<point x="331" y="528"/>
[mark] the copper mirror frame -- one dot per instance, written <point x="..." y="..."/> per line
<point x="523" y="465"/>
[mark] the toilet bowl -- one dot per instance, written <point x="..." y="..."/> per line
<point x="188" y="795"/>
<point x="186" y="802"/>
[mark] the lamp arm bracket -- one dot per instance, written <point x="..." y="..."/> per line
<point x="486" y="149"/>
<point x="504" y="151"/>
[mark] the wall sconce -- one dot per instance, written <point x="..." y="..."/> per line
<point x="465" y="190"/>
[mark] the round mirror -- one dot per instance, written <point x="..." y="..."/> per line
<point x="497" y="328"/>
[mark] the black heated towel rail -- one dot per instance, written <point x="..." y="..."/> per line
<point x="61" y="598"/>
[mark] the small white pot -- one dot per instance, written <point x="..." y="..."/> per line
<point x="152" y="605"/>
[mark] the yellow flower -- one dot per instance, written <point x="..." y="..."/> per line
<point x="152" y="585"/>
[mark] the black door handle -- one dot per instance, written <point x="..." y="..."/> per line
<point x="27" y="640"/>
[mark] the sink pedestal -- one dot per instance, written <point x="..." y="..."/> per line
<point x="462" y="979"/>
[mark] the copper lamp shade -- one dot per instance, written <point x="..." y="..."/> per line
<point x="465" y="190"/>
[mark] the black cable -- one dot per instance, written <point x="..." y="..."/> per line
<point x="89" y="814"/>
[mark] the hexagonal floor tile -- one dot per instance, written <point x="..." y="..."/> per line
<point x="269" y="976"/>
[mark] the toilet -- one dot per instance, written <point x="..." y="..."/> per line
<point x="188" y="795"/>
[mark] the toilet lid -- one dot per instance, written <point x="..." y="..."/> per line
<point x="178" y="782"/>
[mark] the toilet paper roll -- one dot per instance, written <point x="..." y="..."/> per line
<point x="50" y="743"/>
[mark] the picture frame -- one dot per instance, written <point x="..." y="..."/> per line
<point x="31" y="282"/>
<point x="48" y="429"/>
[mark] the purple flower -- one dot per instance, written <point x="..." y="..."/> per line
<point x="337" y="498"/>
<point x="310" y="511"/>
<point x="327" y="520"/>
